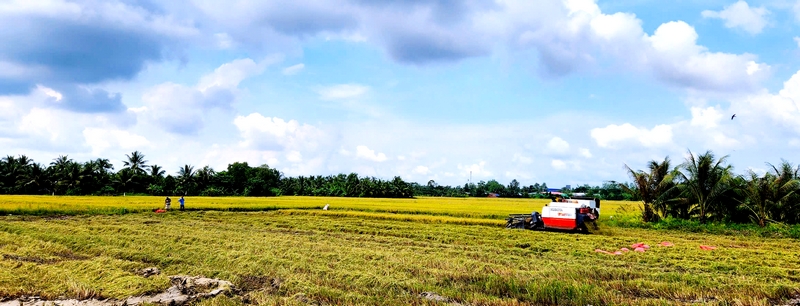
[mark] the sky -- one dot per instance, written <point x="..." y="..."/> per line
<point x="555" y="91"/>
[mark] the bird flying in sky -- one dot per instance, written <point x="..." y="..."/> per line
<point x="734" y="116"/>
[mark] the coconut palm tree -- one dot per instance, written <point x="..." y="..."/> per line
<point x="706" y="182"/>
<point x="765" y="195"/>
<point x="186" y="173"/>
<point x="36" y="179"/>
<point x="788" y="209"/>
<point x="73" y="177"/>
<point x="60" y="163"/>
<point x="204" y="177"/>
<point x="59" y="167"/>
<point x="124" y="180"/>
<point x="136" y="163"/>
<point x="156" y="172"/>
<point x="652" y="187"/>
<point x="103" y="165"/>
<point x="186" y="176"/>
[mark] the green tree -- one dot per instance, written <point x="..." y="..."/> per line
<point x="136" y="163"/>
<point x="652" y="187"/>
<point x="186" y="179"/>
<point x="156" y="173"/>
<point x="706" y="181"/>
<point x="766" y="196"/>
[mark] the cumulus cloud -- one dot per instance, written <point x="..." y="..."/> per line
<point x="342" y="91"/>
<point x="740" y="15"/>
<point x="181" y="109"/>
<point x="708" y="118"/>
<point x="558" y="164"/>
<point x="294" y="156"/>
<point x="522" y="159"/>
<point x="100" y="140"/>
<point x="421" y="170"/>
<point x="613" y="135"/>
<point x="573" y="34"/>
<point x="678" y="60"/>
<point x="275" y="134"/>
<point x="477" y="170"/>
<point x="557" y="145"/>
<point x="585" y="153"/>
<point x="565" y="35"/>
<point x="782" y="108"/>
<point x="366" y="153"/>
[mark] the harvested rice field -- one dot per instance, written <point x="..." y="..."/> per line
<point x="437" y="251"/>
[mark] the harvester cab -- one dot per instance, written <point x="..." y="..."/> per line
<point x="571" y="214"/>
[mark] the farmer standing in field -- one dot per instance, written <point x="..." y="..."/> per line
<point x="167" y="203"/>
<point x="181" y="200"/>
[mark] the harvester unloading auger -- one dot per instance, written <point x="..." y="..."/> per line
<point x="560" y="214"/>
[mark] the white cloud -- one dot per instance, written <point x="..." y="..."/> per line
<point x="294" y="156"/>
<point x="292" y="70"/>
<point x="741" y="15"/>
<point x="229" y="75"/>
<point x="797" y="11"/>
<point x="797" y="39"/>
<point x="677" y="59"/>
<point x="707" y="118"/>
<point x="573" y="36"/>
<point x="612" y="135"/>
<point x="519" y="158"/>
<point x="100" y="140"/>
<point x="585" y="153"/>
<point x="369" y="154"/>
<point x="276" y="134"/>
<point x="184" y="110"/>
<point x="558" y="164"/>
<point x="45" y="123"/>
<point x="557" y="145"/>
<point x="342" y="91"/>
<point x="50" y="92"/>
<point x="477" y="170"/>
<point x="421" y="170"/>
<point x="782" y="108"/>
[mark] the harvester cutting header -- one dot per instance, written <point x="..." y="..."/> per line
<point x="560" y="214"/>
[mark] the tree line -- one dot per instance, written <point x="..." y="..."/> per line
<point x="65" y="176"/>
<point x="704" y="188"/>
<point x="609" y="190"/>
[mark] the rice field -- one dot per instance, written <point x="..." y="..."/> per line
<point x="287" y="251"/>
<point x="493" y="208"/>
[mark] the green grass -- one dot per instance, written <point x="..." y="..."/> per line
<point x="360" y="254"/>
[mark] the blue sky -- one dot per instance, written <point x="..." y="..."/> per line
<point x="563" y="92"/>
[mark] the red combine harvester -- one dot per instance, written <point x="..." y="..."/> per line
<point x="560" y="214"/>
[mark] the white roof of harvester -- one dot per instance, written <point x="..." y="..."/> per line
<point x="574" y="203"/>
